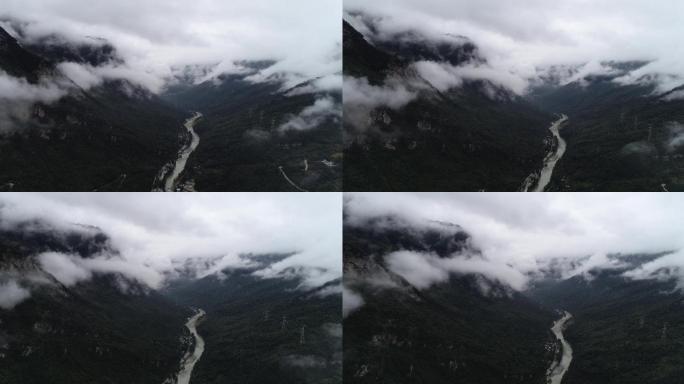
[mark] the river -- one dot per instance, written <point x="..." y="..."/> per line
<point x="184" y="155"/>
<point x="551" y="159"/>
<point x="191" y="357"/>
<point x="558" y="369"/>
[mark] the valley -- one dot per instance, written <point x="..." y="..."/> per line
<point x="468" y="328"/>
<point x="116" y="134"/>
<point x="454" y="113"/>
<point x="423" y="303"/>
<point x="75" y="309"/>
<point x="253" y="138"/>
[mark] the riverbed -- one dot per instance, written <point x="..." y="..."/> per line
<point x="192" y="357"/>
<point x="558" y="369"/>
<point x="184" y="154"/>
<point x="551" y="159"/>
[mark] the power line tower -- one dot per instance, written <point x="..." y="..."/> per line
<point x="283" y="324"/>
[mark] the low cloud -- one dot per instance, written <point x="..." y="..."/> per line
<point x="12" y="294"/>
<point x="159" y="40"/>
<point x="67" y="269"/>
<point x="445" y="76"/>
<point x="666" y="268"/>
<point x="351" y="301"/>
<point x="676" y="95"/>
<point x="83" y="75"/>
<point x="676" y="136"/>
<point x="360" y="98"/>
<point x="521" y="237"/>
<point x="313" y="116"/>
<point x="18" y="89"/>
<point x="18" y="96"/>
<point x="156" y="238"/>
<point x="420" y="270"/>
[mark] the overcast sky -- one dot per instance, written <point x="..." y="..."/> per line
<point x="518" y="36"/>
<point x="520" y="233"/>
<point x="156" y="232"/>
<point x="304" y="36"/>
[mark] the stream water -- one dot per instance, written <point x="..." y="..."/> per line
<point x="192" y="357"/>
<point x="558" y="369"/>
<point x="550" y="161"/>
<point x="184" y="155"/>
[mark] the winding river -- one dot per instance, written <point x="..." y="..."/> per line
<point x="184" y="155"/>
<point x="555" y="373"/>
<point x="191" y="357"/>
<point x="551" y="159"/>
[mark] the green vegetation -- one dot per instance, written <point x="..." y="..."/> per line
<point x="624" y="331"/>
<point x="118" y="136"/>
<point x="450" y="333"/>
<point x="115" y="137"/>
<point x="618" y="138"/>
<point x="241" y="146"/>
<point x="459" y="140"/>
<point x="253" y="330"/>
<point x="92" y="332"/>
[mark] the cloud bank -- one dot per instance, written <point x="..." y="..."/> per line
<point x="17" y="96"/>
<point x="520" y="39"/>
<point x="158" y="40"/>
<point x="12" y="294"/>
<point x="314" y="115"/>
<point x="155" y="237"/>
<point x="522" y="237"/>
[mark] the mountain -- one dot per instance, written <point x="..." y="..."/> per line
<point x="406" y="133"/>
<point x="245" y="145"/>
<point x="421" y="114"/>
<point x="467" y="329"/>
<point x="63" y="133"/>
<point x="265" y="330"/>
<point x="620" y="137"/>
<point x="623" y="330"/>
<point x="108" y="329"/>
<point x="113" y="137"/>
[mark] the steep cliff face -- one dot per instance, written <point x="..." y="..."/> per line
<point x="465" y="328"/>
<point x="55" y="135"/>
<point x="406" y="131"/>
<point x="107" y="328"/>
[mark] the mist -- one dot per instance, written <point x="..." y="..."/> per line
<point x="518" y="238"/>
<point x="157" y="42"/>
<point x="521" y="40"/>
<point x="12" y="294"/>
<point x="155" y="238"/>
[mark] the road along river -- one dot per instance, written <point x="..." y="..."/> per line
<point x="184" y="154"/>
<point x="555" y="373"/>
<point x="551" y="158"/>
<point x="191" y="357"/>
